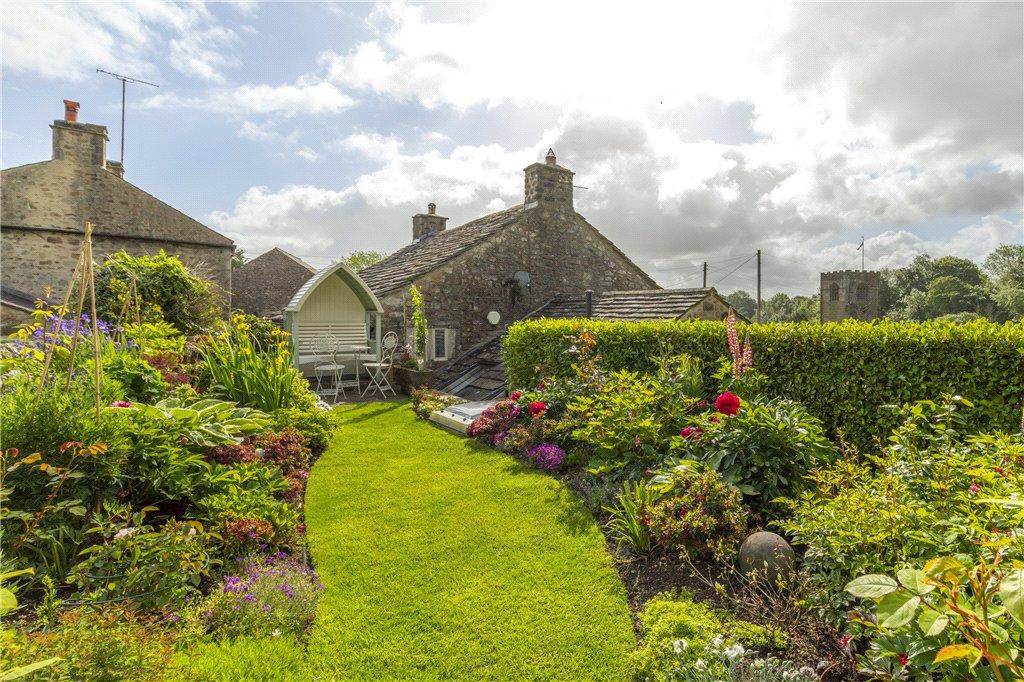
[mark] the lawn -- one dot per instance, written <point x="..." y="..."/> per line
<point x="445" y="559"/>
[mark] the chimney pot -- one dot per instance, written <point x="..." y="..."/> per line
<point x="71" y="111"/>
<point x="550" y="158"/>
<point x="431" y="208"/>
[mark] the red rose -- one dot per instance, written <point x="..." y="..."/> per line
<point x="728" y="403"/>
<point x="691" y="432"/>
<point x="537" y="408"/>
<point x="904" y="658"/>
<point x="516" y="395"/>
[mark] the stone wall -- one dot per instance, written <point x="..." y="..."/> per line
<point x="33" y="260"/>
<point x="850" y="294"/>
<point x="44" y="207"/>
<point x="561" y="255"/>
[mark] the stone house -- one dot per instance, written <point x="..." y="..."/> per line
<point x="264" y="285"/>
<point x="44" y="207"/>
<point x="479" y="277"/>
<point x="850" y="294"/>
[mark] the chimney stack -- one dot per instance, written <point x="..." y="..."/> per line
<point x="427" y="224"/>
<point x="589" y="298"/>
<point x="549" y="186"/>
<point x="71" y="111"/>
<point x="83" y="144"/>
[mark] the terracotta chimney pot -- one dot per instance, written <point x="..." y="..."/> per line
<point x="71" y="111"/>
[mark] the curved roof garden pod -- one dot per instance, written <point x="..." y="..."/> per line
<point x="334" y="304"/>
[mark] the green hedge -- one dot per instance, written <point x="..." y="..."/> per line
<point x="844" y="373"/>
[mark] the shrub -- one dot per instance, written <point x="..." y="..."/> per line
<point x="935" y="489"/>
<point x="234" y="453"/>
<point x="133" y="560"/>
<point x="154" y="338"/>
<point x="765" y="448"/>
<point x="843" y="373"/>
<point x="138" y="378"/>
<point x="286" y="449"/>
<point x="273" y="596"/>
<point x="95" y="644"/>
<point x="164" y="286"/>
<point x="254" y="506"/>
<point x="696" y="513"/>
<point x="677" y="631"/>
<point x="948" y="618"/>
<point x="495" y="421"/>
<point x="316" y="425"/>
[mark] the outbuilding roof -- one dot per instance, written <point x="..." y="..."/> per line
<point x="358" y="286"/>
<point x="656" y="304"/>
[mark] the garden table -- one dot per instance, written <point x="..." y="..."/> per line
<point x="354" y="352"/>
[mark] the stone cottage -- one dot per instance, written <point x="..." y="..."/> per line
<point x="479" y="277"/>
<point x="44" y="207"/>
<point x="265" y="285"/>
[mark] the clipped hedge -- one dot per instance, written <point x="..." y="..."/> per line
<point x="844" y="373"/>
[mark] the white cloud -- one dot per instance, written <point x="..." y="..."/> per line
<point x="68" y="41"/>
<point x="373" y="145"/>
<point x="307" y="153"/>
<point x="303" y="98"/>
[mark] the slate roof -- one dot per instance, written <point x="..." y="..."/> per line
<point x="265" y="285"/>
<point x="419" y="258"/>
<point x="479" y="373"/>
<point x="657" y="304"/>
<point x="17" y="299"/>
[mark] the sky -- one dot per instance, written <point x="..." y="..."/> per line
<point x="697" y="131"/>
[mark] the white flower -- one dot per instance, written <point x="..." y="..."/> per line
<point x="735" y="651"/>
<point x="679" y="646"/>
<point x="124" y="532"/>
<point x="276" y="633"/>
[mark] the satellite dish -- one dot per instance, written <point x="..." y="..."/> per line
<point x="522" y="277"/>
<point x="494" y="317"/>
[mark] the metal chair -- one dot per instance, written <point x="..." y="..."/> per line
<point x="326" y="364"/>
<point x="379" y="370"/>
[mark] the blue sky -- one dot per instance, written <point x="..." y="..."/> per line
<point x="701" y="132"/>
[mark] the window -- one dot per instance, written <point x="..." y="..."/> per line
<point x="833" y="292"/>
<point x="862" y="292"/>
<point x="441" y="342"/>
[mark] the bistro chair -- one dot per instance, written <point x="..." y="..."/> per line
<point x="379" y="370"/>
<point x="325" y="351"/>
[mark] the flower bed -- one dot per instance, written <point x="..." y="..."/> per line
<point x="683" y="461"/>
<point x="142" y="506"/>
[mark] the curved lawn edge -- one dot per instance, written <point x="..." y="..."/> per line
<point x="444" y="558"/>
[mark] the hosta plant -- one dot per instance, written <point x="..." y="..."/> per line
<point x="962" y="621"/>
<point x="208" y="422"/>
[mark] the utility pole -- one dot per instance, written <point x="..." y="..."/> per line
<point x="124" y="82"/>
<point x="759" y="286"/>
<point x="705" y="285"/>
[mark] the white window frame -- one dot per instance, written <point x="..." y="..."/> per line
<point x="449" y="344"/>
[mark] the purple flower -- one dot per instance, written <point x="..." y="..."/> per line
<point x="266" y="608"/>
<point x="546" y="456"/>
<point x="249" y="598"/>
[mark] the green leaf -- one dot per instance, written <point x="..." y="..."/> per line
<point x="15" y="673"/>
<point x="872" y="586"/>
<point x="900" y="609"/>
<point x="914" y="580"/>
<point x="944" y="568"/>
<point x="954" y="652"/>
<point x="1011" y="592"/>
<point x="932" y="623"/>
<point x="8" y="602"/>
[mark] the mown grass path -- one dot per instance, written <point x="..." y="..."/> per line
<point x="443" y="559"/>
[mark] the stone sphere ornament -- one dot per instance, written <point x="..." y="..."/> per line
<point x="767" y="556"/>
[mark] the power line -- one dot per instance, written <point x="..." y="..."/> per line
<point x="726" y="276"/>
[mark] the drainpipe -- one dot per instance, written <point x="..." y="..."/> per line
<point x="590" y="303"/>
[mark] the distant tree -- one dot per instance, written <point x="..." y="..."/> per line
<point x="961" y="268"/>
<point x="1006" y="264"/>
<point x="743" y="303"/>
<point x="357" y="260"/>
<point x="783" y="308"/>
